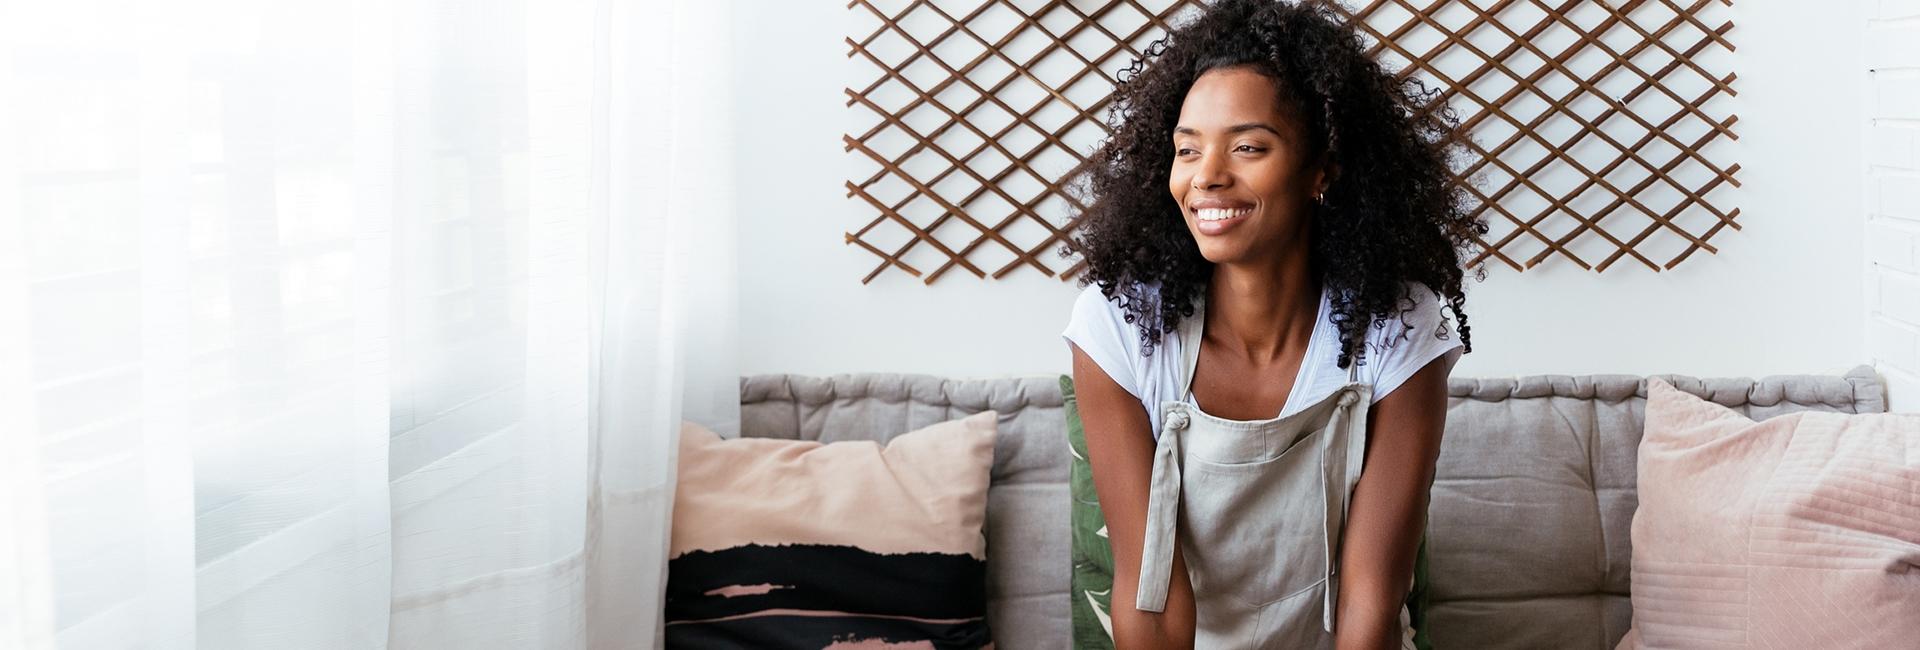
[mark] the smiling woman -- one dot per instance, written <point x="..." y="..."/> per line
<point x="1363" y="156"/>
<point x="1276" y="213"/>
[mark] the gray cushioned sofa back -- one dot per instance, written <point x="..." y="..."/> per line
<point x="1527" y="529"/>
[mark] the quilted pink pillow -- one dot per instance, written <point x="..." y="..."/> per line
<point x="1802" y="531"/>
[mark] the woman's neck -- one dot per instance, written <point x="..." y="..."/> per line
<point x="1263" y="313"/>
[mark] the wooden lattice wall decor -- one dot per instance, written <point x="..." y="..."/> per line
<point x="1593" y="122"/>
<point x="975" y="114"/>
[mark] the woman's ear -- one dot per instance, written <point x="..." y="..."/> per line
<point x="1324" y="177"/>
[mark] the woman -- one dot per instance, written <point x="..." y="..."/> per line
<point x="1261" y="355"/>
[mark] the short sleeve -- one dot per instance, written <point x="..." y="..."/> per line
<point x="1098" y="326"/>
<point x="1396" y="353"/>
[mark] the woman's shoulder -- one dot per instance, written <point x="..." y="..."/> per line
<point x="1099" y="327"/>
<point x="1403" y="342"/>
<point x="1091" y="297"/>
<point x="1422" y="312"/>
<point x="1092" y="301"/>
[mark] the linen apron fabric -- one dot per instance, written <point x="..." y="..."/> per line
<point x="1258" y="507"/>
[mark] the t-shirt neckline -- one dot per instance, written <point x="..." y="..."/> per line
<point x="1302" y="376"/>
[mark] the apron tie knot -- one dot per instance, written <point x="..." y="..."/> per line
<point x="1177" y="419"/>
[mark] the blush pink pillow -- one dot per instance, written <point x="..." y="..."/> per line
<point x="1801" y="531"/>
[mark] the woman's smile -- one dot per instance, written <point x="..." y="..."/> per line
<point x="1217" y="221"/>
<point x="1215" y="216"/>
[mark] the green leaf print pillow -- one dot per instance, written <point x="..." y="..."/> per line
<point x="1091" y="586"/>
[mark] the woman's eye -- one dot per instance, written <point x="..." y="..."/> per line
<point x="1248" y="147"/>
<point x="1182" y="151"/>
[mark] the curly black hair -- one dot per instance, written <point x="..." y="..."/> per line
<point x="1393" y="213"/>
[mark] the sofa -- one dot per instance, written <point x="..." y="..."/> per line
<point x="1527" y="527"/>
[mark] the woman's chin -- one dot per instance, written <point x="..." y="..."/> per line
<point x="1222" y="252"/>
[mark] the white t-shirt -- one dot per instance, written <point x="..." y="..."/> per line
<point x="1099" y="327"/>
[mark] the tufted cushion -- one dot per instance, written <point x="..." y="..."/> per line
<point x="1528" y="528"/>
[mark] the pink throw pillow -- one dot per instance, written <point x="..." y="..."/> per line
<point x="1801" y="531"/>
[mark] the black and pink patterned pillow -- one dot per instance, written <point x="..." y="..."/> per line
<point x="799" y="544"/>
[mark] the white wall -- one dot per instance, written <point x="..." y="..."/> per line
<point x="1784" y="295"/>
<point x="1893" y="198"/>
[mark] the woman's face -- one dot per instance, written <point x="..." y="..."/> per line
<point x="1240" y="173"/>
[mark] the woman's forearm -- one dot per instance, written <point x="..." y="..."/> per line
<point x="1170" y="628"/>
<point x="1368" y="622"/>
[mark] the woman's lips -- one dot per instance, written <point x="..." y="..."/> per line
<point x="1210" y="223"/>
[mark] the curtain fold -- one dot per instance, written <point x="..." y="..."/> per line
<point x="356" y="325"/>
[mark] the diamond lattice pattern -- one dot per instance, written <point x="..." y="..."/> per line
<point x="1593" y="126"/>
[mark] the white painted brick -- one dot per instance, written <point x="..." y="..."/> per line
<point x="1871" y="287"/>
<point x="1893" y="239"/>
<point x="1903" y="389"/>
<point x="1873" y="199"/>
<point x="1893" y="245"/>
<point x="1892" y="145"/>
<point x="1893" y="46"/>
<point x="1895" y="96"/>
<point x="1896" y="196"/>
<point x="1899" y="296"/>
<point x="1894" y="343"/>
<point x="1889" y="9"/>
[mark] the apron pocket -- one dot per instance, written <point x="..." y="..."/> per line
<point x="1254" y="532"/>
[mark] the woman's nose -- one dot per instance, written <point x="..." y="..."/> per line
<point x="1211" y="174"/>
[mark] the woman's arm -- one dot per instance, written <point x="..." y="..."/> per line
<point x="1388" y="511"/>
<point x="1120" y="450"/>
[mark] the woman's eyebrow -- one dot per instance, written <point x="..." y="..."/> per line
<point x="1237" y="128"/>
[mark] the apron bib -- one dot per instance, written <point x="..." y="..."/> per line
<point x="1258" y="507"/>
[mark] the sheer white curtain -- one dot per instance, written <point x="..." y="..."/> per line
<point x="355" y="324"/>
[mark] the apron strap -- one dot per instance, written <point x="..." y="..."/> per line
<point x="1163" y="516"/>
<point x="1163" y="488"/>
<point x="1191" y="330"/>
<point x="1339" y="476"/>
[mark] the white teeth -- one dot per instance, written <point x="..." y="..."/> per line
<point x="1217" y="214"/>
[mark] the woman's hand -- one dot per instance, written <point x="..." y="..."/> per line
<point x="1120" y="449"/>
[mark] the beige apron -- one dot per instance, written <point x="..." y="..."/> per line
<point x="1259" y="507"/>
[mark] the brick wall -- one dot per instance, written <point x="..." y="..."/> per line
<point x="1893" y="197"/>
